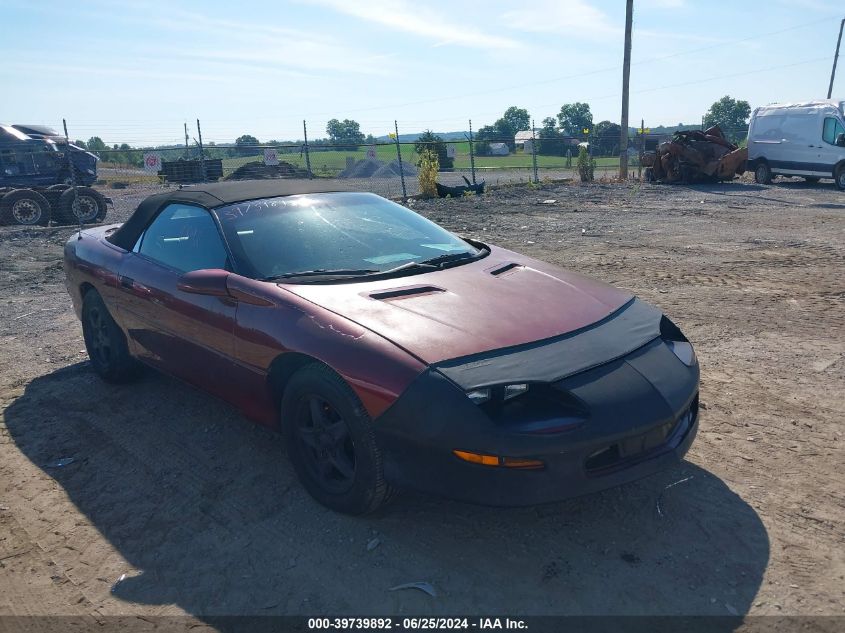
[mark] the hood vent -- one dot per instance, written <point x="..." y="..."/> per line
<point x="404" y="293"/>
<point x="504" y="268"/>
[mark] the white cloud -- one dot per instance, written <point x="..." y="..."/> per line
<point x="253" y="45"/>
<point x="573" y="18"/>
<point x="401" y="15"/>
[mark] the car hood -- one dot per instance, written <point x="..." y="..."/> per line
<point x="501" y="300"/>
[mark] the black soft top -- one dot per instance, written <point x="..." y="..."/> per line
<point x="210" y="196"/>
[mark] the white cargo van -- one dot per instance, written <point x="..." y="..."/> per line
<point x="798" y="139"/>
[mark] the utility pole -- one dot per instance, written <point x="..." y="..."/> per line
<point x="835" y="57"/>
<point x="626" y="81"/>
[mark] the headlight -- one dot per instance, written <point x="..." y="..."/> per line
<point x="505" y="392"/>
<point x="512" y="391"/>
<point x="684" y="351"/>
<point x="677" y="342"/>
<point x="479" y="396"/>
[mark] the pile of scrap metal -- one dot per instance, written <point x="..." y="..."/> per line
<point x="695" y="156"/>
<point x="455" y="192"/>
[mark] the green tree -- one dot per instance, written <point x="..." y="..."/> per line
<point x="549" y="141"/>
<point x="483" y="138"/>
<point x="605" y="138"/>
<point x="95" y="144"/>
<point x="246" y="145"/>
<point x="731" y="115"/>
<point x="503" y="130"/>
<point x="428" y="140"/>
<point x="516" y="119"/>
<point x="80" y="143"/>
<point x="346" y="134"/>
<point x="574" y="118"/>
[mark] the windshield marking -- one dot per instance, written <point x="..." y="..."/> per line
<point x="387" y="259"/>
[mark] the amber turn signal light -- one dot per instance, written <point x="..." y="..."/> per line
<point x="495" y="460"/>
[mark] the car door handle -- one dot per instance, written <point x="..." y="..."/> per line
<point x="131" y="284"/>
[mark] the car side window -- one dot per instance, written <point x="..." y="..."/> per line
<point x="183" y="237"/>
<point x="832" y="129"/>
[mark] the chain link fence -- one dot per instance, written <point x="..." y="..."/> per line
<point x="67" y="182"/>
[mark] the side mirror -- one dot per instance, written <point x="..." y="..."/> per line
<point x="211" y="282"/>
<point x="840" y="140"/>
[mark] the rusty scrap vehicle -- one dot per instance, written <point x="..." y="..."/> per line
<point x="389" y="352"/>
<point x="695" y="156"/>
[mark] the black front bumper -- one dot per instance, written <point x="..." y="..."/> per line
<point x="642" y="416"/>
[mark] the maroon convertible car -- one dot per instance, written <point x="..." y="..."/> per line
<point x="388" y="351"/>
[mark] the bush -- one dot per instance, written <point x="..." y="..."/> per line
<point x="428" y="167"/>
<point x="430" y="141"/>
<point x="586" y="165"/>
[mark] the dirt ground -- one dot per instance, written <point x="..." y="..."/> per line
<point x="201" y="510"/>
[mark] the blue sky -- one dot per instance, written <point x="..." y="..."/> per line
<point x="134" y="70"/>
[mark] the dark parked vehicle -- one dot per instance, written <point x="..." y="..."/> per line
<point x="34" y="176"/>
<point x="83" y="162"/>
<point x="389" y="351"/>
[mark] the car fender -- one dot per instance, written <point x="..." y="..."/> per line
<point x="275" y="322"/>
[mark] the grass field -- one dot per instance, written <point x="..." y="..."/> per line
<point x="334" y="161"/>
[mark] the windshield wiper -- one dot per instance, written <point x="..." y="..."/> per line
<point x="323" y="272"/>
<point x="409" y="266"/>
<point x="447" y="258"/>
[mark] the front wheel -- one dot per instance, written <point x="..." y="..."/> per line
<point x="105" y="342"/>
<point x="763" y="174"/>
<point x="840" y="177"/>
<point x="24" y="207"/>
<point x="330" y="442"/>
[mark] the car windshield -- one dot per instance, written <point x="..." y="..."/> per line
<point x="313" y="237"/>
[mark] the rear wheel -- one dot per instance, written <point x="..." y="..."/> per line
<point x="105" y="342"/>
<point x="24" y="207"/>
<point x="330" y="442"/>
<point x="763" y="174"/>
<point x="84" y="205"/>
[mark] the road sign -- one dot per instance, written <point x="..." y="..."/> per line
<point x="270" y="156"/>
<point x="152" y="162"/>
<point x="451" y="150"/>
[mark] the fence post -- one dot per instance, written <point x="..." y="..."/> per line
<point x="202" y="153"/>
<point x="75" y="207"/>
<point x="534" y="151"/>
<point x="642" y="150"/>
<point x="307" y="154"/>
<point x="471" y="153"/>
<point x="399" y="156"/>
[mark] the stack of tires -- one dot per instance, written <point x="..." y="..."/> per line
<point x="60" y="203"/>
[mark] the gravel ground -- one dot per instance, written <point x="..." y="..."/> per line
<point x="201" y="510"/>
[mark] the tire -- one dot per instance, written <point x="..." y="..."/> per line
<point x="763" y="174"/>
<point x="87" y="202"/>
<point x="811" y="179"/>
<point x="840" y="177"/>
<point x="330" y="442"/>
<point x="24" y="207"/>
<point x="105" y="342"/>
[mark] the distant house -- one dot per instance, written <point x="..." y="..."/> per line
<point x="499" y="149"/>
<point x="526" y="136"/>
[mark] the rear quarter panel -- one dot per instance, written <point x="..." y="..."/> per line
<point x="90" y="260"/>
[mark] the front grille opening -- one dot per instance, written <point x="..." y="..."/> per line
<point x="634" y="447"/>
<point x="603" y="458"/>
